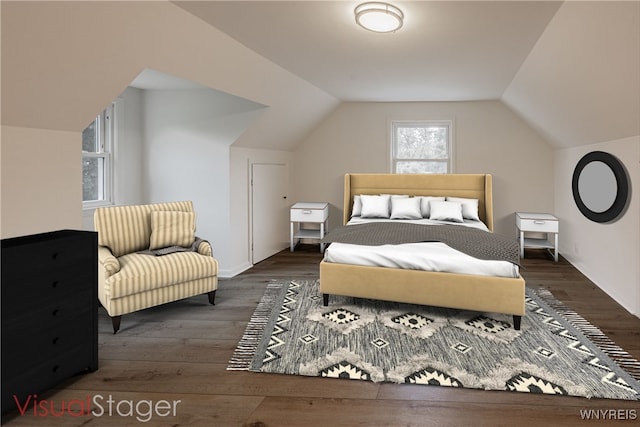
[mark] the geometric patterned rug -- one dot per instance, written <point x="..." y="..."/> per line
<point x="555" y="352"/>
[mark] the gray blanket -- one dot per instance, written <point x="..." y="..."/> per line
<point x="476" y="243"/>
<point x="173" y="249"/>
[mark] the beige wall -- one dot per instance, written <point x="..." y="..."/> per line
<point x="488" y="138"/>
<point x="572" y="95"/>
<point x="609" y="254"/>
<point x="41" y="181"/>
<point x="63" y="62"/>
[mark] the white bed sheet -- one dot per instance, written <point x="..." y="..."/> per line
<point x="428" y="256"/>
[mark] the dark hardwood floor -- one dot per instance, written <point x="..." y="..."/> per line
<point x="179" y="352"/>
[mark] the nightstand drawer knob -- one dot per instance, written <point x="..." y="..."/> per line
<point x="307" y="212"/>
<point x="539" y="222"/>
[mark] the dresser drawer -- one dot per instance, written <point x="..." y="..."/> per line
<point x="31" y="345"/>
<point x="22" y="319"/>
<point x="21" y="259"/>
<point x="46" y="286"/>
<point x="48" y="373"/>
<point x="538" y="225"/>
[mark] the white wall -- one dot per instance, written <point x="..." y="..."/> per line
<point x="489" y="138"/>
<point x="608" y="254"/>
<point x="175" y="144"/>
<point x="129" y="152"/>
<point x="186" y="157"/>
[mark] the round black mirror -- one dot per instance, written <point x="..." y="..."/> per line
<point x="600" y="187"/>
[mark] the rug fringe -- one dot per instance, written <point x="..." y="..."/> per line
<point x="625" y="360"/>
<point x="243" y="355"/>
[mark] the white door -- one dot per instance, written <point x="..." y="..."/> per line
<point x="269" y="210"/>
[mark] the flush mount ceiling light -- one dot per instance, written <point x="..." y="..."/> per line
<point x="379" y="17"/>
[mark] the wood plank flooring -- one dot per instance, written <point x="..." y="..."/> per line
<point x="179" y="352"/>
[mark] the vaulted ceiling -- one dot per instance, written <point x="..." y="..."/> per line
<point x="569" y="68"/>
<point x="446" y="50"/>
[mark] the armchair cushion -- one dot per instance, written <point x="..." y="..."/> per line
<point x="172" y="228"/>
<point x="141" y="272"/>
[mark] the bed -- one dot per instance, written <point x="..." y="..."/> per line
<point x="477" y="292"/>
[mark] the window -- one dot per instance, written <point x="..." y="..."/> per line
<point x="97" y="147"/>
<point x="421" y="147"/>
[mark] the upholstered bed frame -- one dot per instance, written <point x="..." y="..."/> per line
<point x="462" y="291"/>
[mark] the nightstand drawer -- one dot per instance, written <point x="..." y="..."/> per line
<point x="309" y="212"/>
<point x="538" y="225"/>
<point x="308" y="215"/>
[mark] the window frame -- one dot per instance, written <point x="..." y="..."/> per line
<point x="395" y="124"/>
<point x="105" y="128"/>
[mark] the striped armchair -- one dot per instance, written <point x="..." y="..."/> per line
<point x="148" y="255"/>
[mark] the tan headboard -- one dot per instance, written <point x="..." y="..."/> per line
<point x="475" y="186"/>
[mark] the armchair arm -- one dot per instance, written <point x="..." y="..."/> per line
<point x="109" y="262"/>
<point x="205" y="248"/>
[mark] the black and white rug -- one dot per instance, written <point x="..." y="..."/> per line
<point x="555" y="352"/>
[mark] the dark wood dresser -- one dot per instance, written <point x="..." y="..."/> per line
<point x="49" y="311"/>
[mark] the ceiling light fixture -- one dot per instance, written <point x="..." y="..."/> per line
<point x="379" y="17"/>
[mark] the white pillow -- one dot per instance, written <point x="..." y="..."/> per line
<point x="425" y="204"/>
<point x="469" y="207"/>
<point x="357" y="206"/>
<point x="405" y="208"/>
<point x="446" y="211"/>
<point x="375" y="206"/>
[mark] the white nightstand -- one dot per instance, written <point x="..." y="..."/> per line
<point x="544" y="224"/>
<point x="308" y="213"/>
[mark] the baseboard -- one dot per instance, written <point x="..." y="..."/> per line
<point x="229" y="273"/>
<point x="584" y="269"/>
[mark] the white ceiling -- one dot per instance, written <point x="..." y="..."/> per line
<point x="446" y="50"/>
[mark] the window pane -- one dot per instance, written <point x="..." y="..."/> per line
<point x="90" y="138"/>
<point x="422" y="142"/>
<point x="421" y="167"/>
<point x="92" y="178"/>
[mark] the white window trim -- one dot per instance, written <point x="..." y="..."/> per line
<point x="107" y="141"/>
<point x="419" y="123"/>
